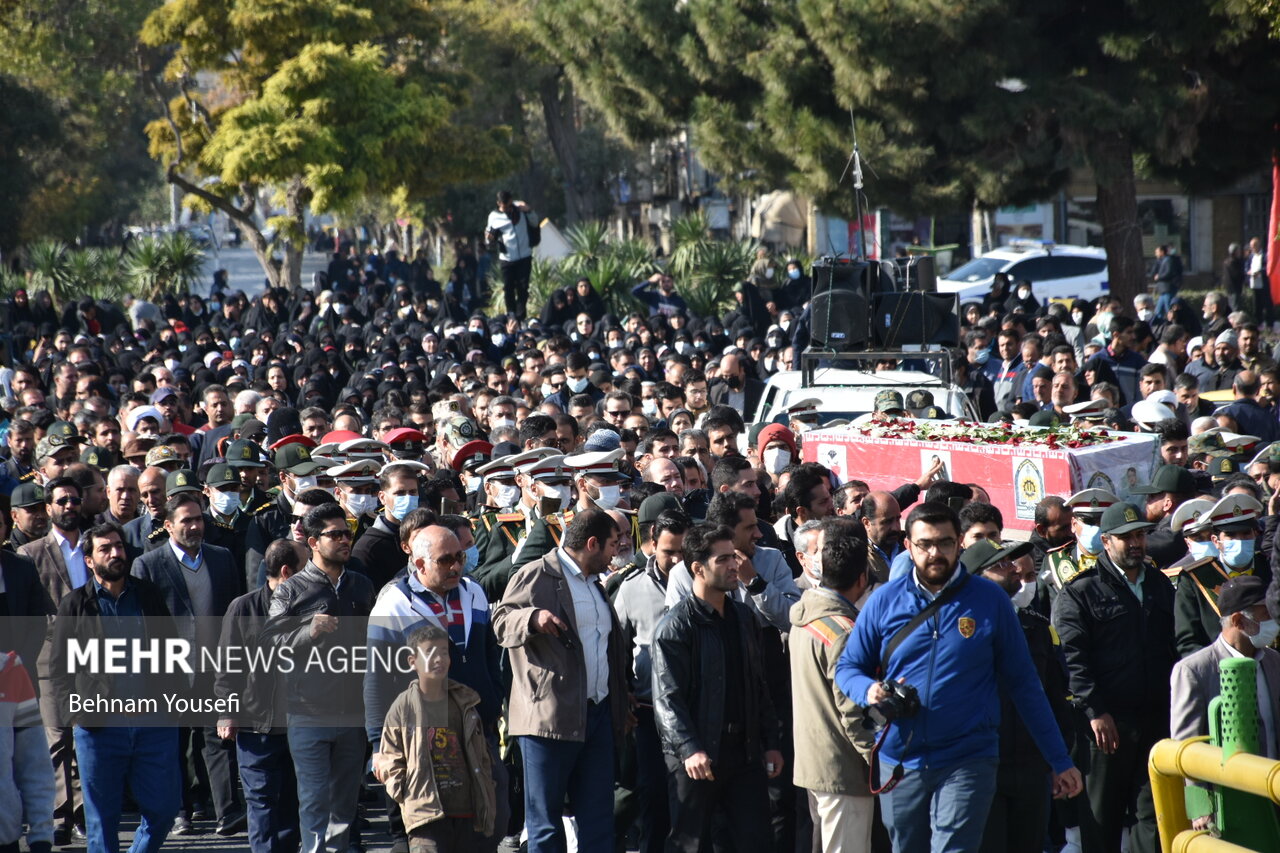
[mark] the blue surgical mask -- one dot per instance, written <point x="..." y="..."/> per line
<point x="1200" y="550"/>
<point x="795" y="274"/>
<point x="1237" y="553"/>
<point x="473" y="560"/>
<point x="1090" y="539"/>
<point x="577" y="386"/>
<point x="402" y="505"/>
<point x="983" y="356"/>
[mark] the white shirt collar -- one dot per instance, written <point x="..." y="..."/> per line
<point x="63" y="541"/>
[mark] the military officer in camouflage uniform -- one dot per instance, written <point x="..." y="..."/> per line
<point x="1233" y="527"/>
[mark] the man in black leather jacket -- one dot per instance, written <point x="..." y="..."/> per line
<point x="1115" y="621"/>
<point x="321" y="616"/>
<point x="711" y="704"/>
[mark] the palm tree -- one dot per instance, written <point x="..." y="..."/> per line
<point x="48" y="263"/>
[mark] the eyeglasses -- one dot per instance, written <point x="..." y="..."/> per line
<point x="446" y="561"/>
<point x="68" y="501"/>
<point x="336" y="533"/>
<point x="938" y="545"/>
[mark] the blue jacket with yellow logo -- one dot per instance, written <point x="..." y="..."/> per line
<point x="959" y="660"/>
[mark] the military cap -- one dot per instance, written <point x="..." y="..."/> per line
<point x="919" y="399"/>
<point x="297" y="460"/>
<point x="984" y="553"/>
<point x="1091" y="502"/>
<point x="27" y="495"/>
<point x="99" y="457"/>
<point x="655" y="505"/>
<point x="1205" y="442"/>
<point x="603" y="464"/>
<point x="65" y="430"/>
<point x="1191" y="516"/>
<point x="1236" y="512"/>
<point x="1087" y="408"/>
<point x="363" y="448"/>
<point x="1147" y="414"/>
<point x="356" y="471"/>
<point x="459" y="430"/>
<point x="546" y="468"/>
<point x="889" y="402"/>
<point x="406" y="442"/>
<point x="243" y="453"/>
<point x="221" y="474"/>
<point x="1168" y="478"/>
<point x="51" y="445"/>
<point x="1223" y="465"/>
<point x="498" y="468"/>
<point x="161" y="455"/>
<point x="1044" y="418"/>
<point x="410" y="464"/>
<point x="472" y="455"/>
<point x="1122" y="518"/>
<point x="182" y="480"/>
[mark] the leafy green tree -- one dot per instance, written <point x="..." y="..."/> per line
<point x="991" y="101"/>
<point x="27" y="122"/>
<point x="80" y="144"/>
<point x="316" y="104"/>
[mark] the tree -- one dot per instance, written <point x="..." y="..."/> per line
<point x="27" y="122"/>
<point x="991" y="101"/>
<point x="316" y="103"/>
<point x="80" y="146"/>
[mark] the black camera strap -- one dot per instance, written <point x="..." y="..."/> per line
<point x="944" y="598"/>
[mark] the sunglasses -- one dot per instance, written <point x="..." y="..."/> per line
<point x="340" y="533"/>
<point x="68" y="501"/>
<point x="446" y="561"/>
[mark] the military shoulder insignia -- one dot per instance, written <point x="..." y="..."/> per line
<point x="265" y="506"/>
<point x="156" y="534"/>
<point x="508" y="517"/>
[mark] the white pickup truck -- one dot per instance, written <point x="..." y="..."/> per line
<point x="847" y="393"/>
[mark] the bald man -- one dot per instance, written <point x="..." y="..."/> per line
<point x="151" y="493"/>
<point x="882" y="517"/>
<point x="736" y="388"/>
<point x="667" y="474"/>
<point x="437" y="589"/>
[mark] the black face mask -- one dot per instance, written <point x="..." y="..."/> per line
<point x="735" y="382"/>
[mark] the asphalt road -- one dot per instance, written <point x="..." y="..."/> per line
<point x="245" y="273"/>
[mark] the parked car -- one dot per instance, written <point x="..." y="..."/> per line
<point x="1055" y="272"/>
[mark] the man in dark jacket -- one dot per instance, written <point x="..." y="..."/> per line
<point x="112" y="749"/>
<point x="379" y="547"/>
<point x="319" y="614"/>
<point x="1115" y="621"/>
<point x="258" y="729"/>
<point x="711" y="704"/>
<point x="198" y="582"/>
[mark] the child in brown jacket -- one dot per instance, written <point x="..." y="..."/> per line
<point x="434" y="758"/>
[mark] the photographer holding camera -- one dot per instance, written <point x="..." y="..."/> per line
<point x="512" y="233"/>
<point x="928" y="658"/>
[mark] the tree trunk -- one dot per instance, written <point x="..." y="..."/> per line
<point x="295" y="239"/>
<point x="559" y="111"/>
<point x="1111" y="157"/>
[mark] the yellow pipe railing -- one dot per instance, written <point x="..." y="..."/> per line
<point x="1174" y="762"/>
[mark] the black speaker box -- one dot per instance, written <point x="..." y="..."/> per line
<point x="838" y="319"/>
<point x="914" y="319"/>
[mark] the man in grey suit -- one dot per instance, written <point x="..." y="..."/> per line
<point x="1247" y="631"/>
<point x="198" y="582"/>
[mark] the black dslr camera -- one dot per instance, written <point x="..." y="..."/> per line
<point x="903" y="702"/>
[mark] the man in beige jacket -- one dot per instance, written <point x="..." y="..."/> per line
<point x="569" y="667"/>
<point x="831" y="744"/>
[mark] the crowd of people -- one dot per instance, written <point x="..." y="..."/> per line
<point x="628" y="615"/>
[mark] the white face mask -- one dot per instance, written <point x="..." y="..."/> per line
<point x="649" y="407"/>
<point x="776" y="459"/>
<point x="547" y="390"/>
<point x="498" y="423"/>
<point x="1146" y="314"/>
<point x="224" y="503"/>
<point x="1077" y="317"/>
<point x="577" y="386"/>
<point x="562" y="492"/>
<point x="1025" y="595"/>
<point x="1023" y="293"/>
<point x="1268" y="630"/>
<point x="507" y="496"/>
<point x="473" y="485"/>
<point x="609" y="496"/>
<point x="301" y="484"/>
<point x="359" y="505"/>
<point x="813" y="566"/>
